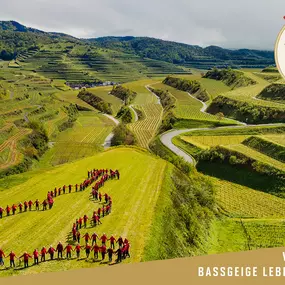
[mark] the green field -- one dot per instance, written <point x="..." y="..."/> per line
<point x="146" y="128"/>
<point x="188" y="107"/>
<point x="130" y="217"/>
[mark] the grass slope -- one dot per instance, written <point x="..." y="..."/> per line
<point x="133" y="198"/>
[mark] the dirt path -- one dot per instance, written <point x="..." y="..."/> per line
<point x="134" y="111"/>
<point x="108" y="139"/>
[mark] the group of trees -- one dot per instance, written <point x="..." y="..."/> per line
<point x="275" y="92"/>
<point x="124" y="94"/>
<point x="95" y="101"/>
<point x="192" y="86"/>
<point x="246" y="112"/>
<point x="230" y="77"/>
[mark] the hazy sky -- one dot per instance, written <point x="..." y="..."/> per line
<point x="227" y="23"/>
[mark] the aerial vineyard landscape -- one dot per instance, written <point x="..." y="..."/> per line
<point x="184" y="145"/>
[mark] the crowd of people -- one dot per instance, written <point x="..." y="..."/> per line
<point x="93" y="175"/>
<point x="122" y="252"/>
<point x="91" y="241"/>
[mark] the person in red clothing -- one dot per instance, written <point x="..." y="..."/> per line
<point x="103" y="238"/>
<point x="12" y="256"/>
<point x="37" y="204"/>
<point x="74" y="233"/>
<point x="51" y="251"/>
<point x="30" y="204"/>
<point x="2" y="255"/>
<point x="126" y="250"/>
<point x="44" y="203"/>
<point x="76" y="187"/>
<point x="85" y="218"/>
<point x="68" y="249"/>
<point x="26" y="257"/>
<point x="50" y="203"/>
<point x="120" y="241"/>
<point x="94" y="238"/>
<point x="25" y="206"/>
<point x="36" y="257"/>
<point x="63" y="189"/>
<point x="20" y="207"/>
<point x="87" y="250"/>
<point x="59" y="250"/>
<point x="103" y="250"/>
<point x="77" y="249"/>
<point x="69" y="188"/>
<point x="126" y="241"/>
<point x="14" y="208"/>
<point x="86" y="238"/>
<point x="96" y="249"/>
<point x="1" y="212"/>
<point x="99" y="212"/>
<point x="80" y="220"/>
<point x="103" y="211"/>
<point x="59" y="191"/>
<point x="55" y="192"/>
<point x="100" y="197"/>
<point x="43" y="254"/>
<point x="78" y="236"/>
<point x="110" y="254"/>
<point x="112" y="241"/>
<point x="106" y="197"/>
<point x="118" y="174"/>
<point x="8" y="209"/>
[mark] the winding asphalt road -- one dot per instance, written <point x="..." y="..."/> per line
<point x="167" y="137"/>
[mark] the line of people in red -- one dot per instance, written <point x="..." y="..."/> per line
<point x="93" y="175"/>
<point x="122" y="252"/>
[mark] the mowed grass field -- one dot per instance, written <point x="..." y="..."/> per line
<point x="188" y="107"/>
<point x="103" y="93"/>
<point x="134" y="198"/>
<point x="143" y="95"/>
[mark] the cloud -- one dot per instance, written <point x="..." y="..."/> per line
<point x="231" y="24"/>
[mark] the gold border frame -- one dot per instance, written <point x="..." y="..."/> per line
<point x="275" y="51"/>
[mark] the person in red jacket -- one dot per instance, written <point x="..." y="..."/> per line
<point x="126" y="250"/>
<point x="80" y="220"/>
<point x="77" y="249"/>
<point x="86" y="237"/>
<point x="59" y="250"/>
<point x="68" y="249"/>
<point x="87" y="250"/>
<point x="20" y="207"/>
<point x="12" y="256"/>
<point x="85" y="218"/>
<point x="78" y="236"/>
<point x="112" y="241"/>
<point x="44" y="203"/>
<point x="51" y="251"/>
<point x="8" y="209"/>
<point x="25" y="206"/>
<point x="26" y="257"/>
<point x="96" y="250"/>
<point x="103" y="250"/>
<point x="43" y="254"/>
<point x="36" y="257"/>
<point x="30" y="204"/>
<point x="63" y="189"/>
<point x="94" y="238"/>
<point x="69" y="188"/>
<point x="1" y="212"/>
<point x="14" y="208"/>
<point x="37" y="203"/>
<point x="2" y="255"/>
<point x="100" y="197"/>
<point x="110" y="254"/>
<point x="120" y="241"/>
<point x="103" y="238"/>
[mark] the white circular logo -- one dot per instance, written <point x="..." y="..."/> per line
<point x="280" y="52"/>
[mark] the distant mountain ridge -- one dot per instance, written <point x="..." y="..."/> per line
<point x="16" y="37"/>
